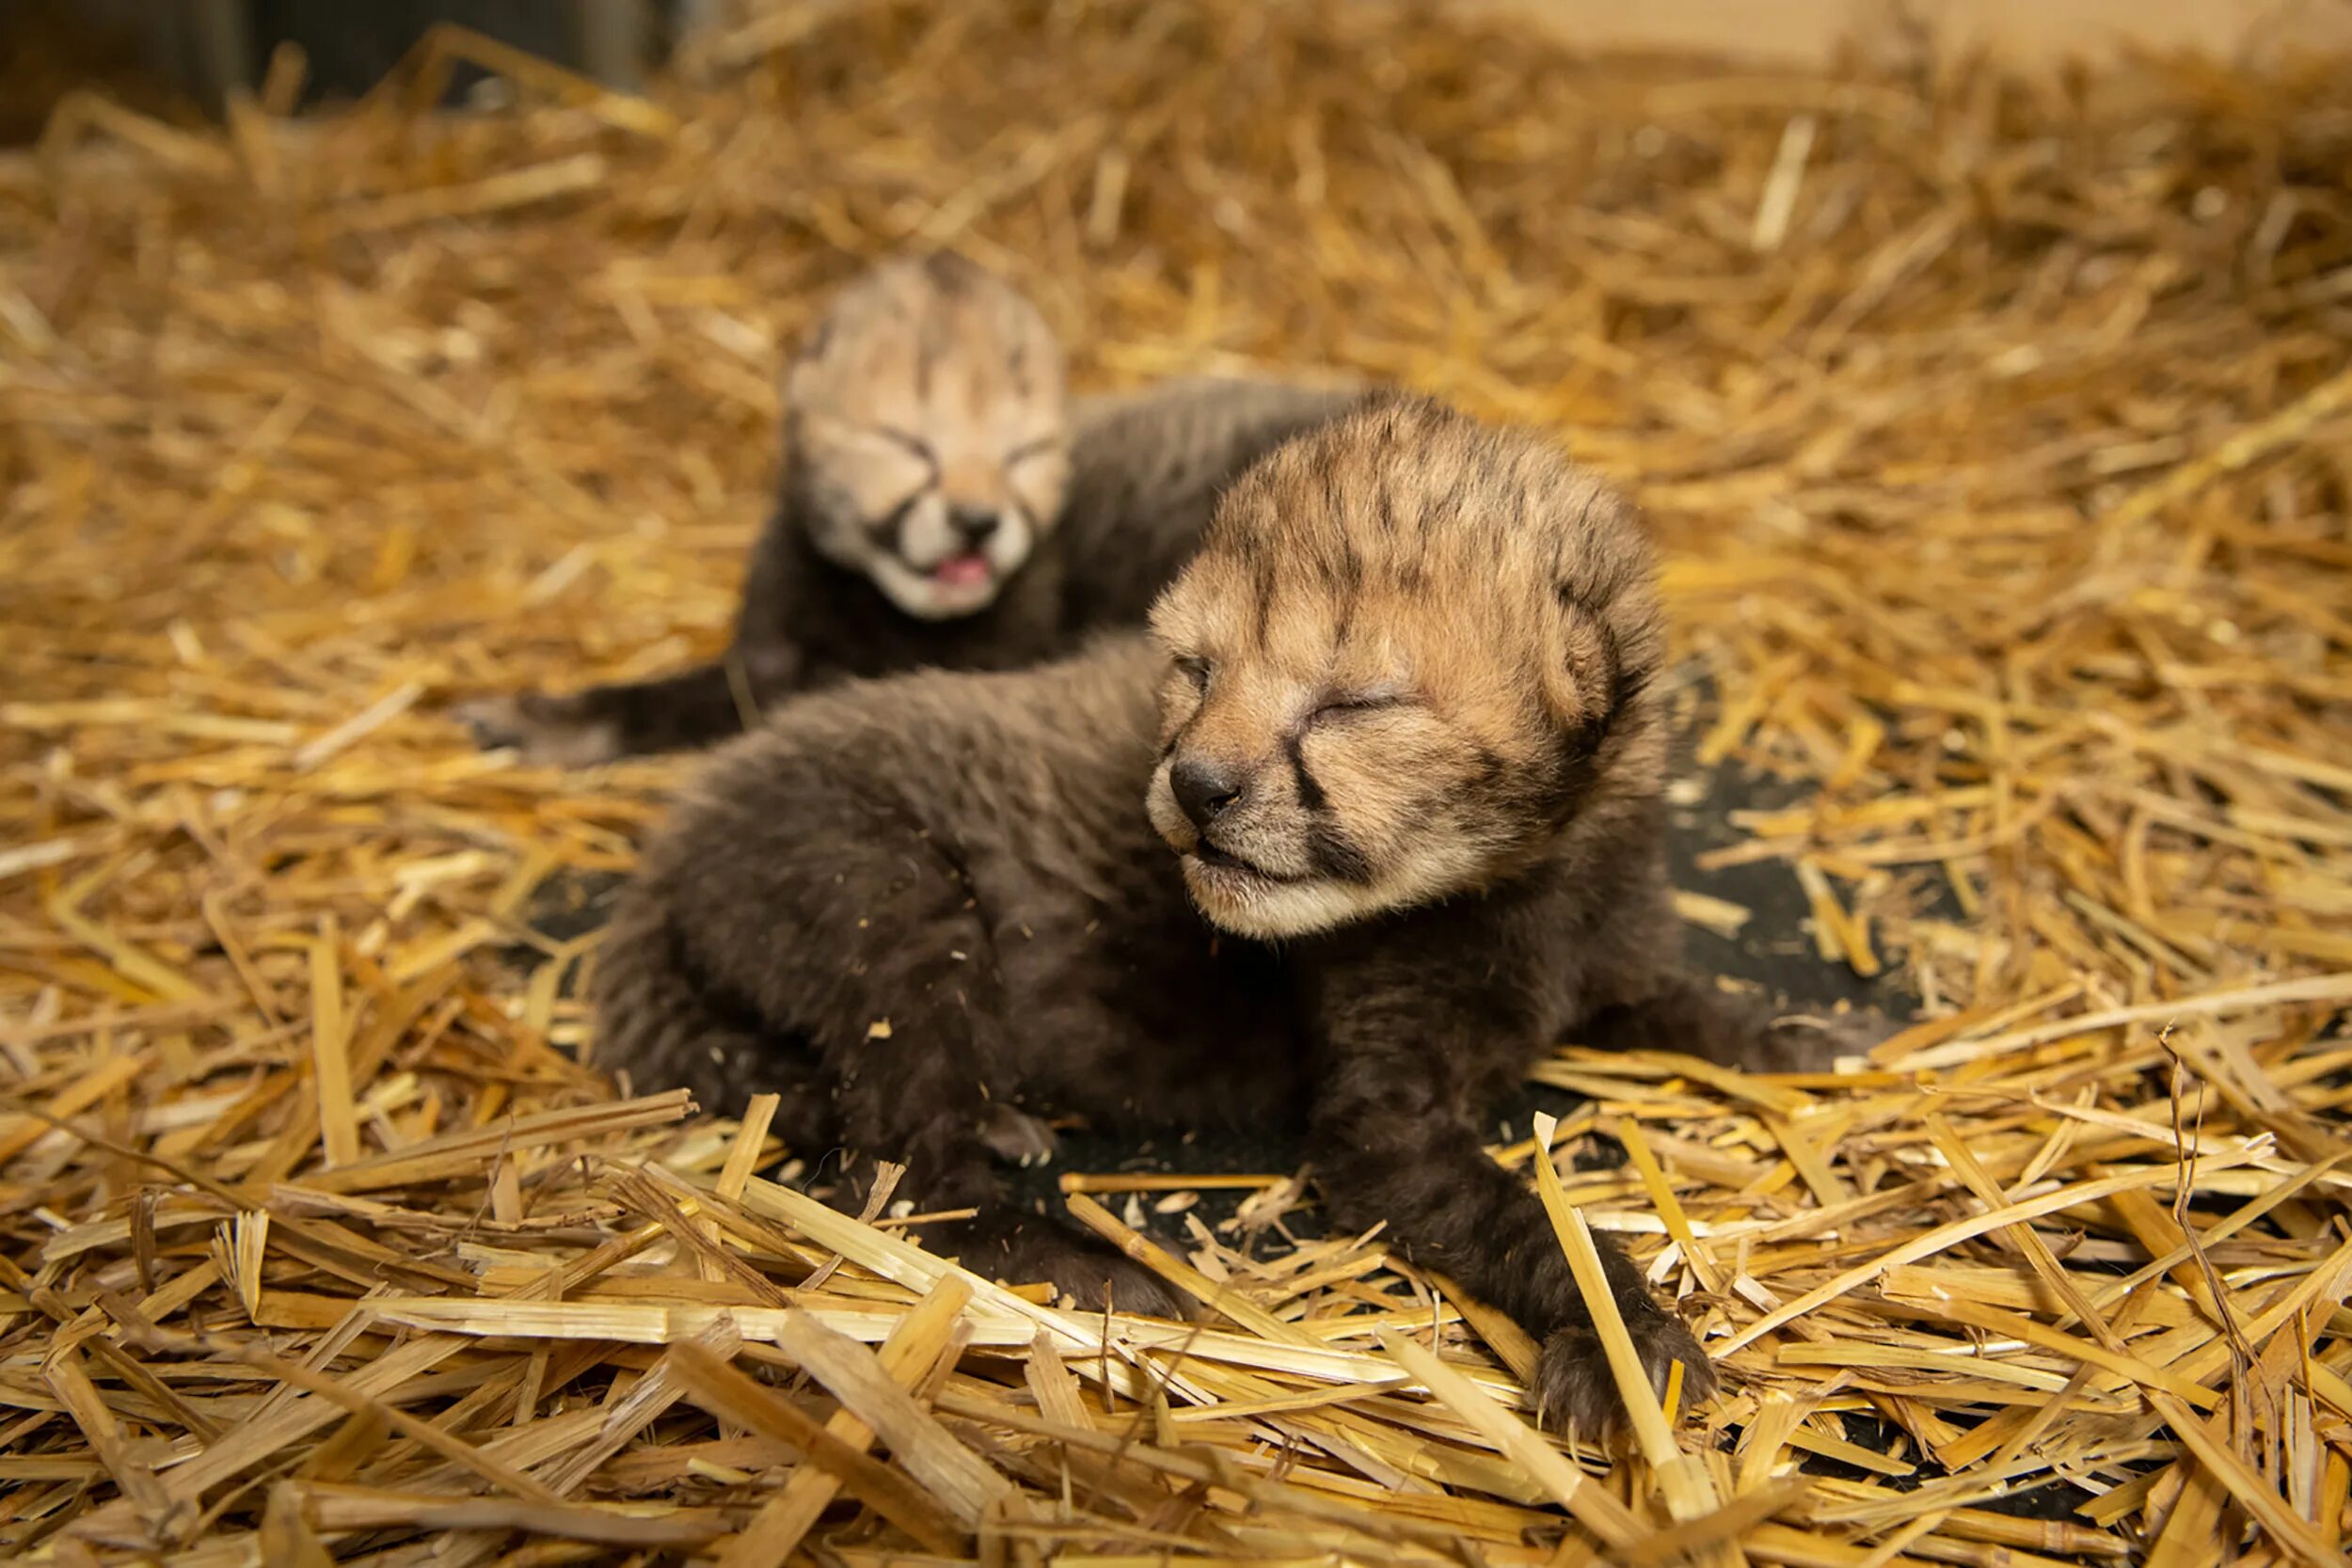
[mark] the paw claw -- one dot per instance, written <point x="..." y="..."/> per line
<point x="1016" y="1136"/>
<point x="545" y="729"/>
<point x="493" y="722"/>
<point x="1576" y="1392"/>
<point x="1812" y="1042"/>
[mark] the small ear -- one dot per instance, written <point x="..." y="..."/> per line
<point x="799" y="382"/>
<point x="810" y="351"/>
<point x="1583" y="669"/>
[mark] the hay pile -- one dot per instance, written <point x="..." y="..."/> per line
<point x="2001" y="429"/>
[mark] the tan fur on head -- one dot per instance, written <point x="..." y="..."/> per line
<point x="1408" y="662"/>
<point x="929" y="423"/>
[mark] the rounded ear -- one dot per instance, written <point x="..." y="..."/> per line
<point x="1601" y="670"/>
<point x="1604" y="634"/>
<point x="801" y="367"/>
<point x="820" y="338"/>
<point x="1582" y="663"/>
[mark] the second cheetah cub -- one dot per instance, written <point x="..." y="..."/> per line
<point x="1370" y="824"/>
<point x="943" y="502"/>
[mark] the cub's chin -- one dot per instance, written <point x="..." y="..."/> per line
<point x="1245" y="899"/>
<point x="1250" y="903"/>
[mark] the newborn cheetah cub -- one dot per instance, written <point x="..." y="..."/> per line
<point x="945" y="503"/>
<point x="1368" y="824"/>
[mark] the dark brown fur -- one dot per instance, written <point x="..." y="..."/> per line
<point x="1416" y="653"/>
<point x="1101" y="502"/>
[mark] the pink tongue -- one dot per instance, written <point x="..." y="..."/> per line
<point x="962" y="571"/>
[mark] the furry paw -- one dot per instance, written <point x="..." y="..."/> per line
<point x="1576" y="1392"/>
<point x="1813" y="1042"/>
<point x="1087" y="1272"/>
<point x="1015" y="1135"/>
<point x="556" y="731"/>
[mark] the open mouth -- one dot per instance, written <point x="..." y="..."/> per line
<point x="969" y="570"/>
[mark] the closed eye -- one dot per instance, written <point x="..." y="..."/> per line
<point x="1044" y="446"/>
<point x="1341" y="708"/>
<point x="907" y="441"/>
<point x="1196" y="669"/>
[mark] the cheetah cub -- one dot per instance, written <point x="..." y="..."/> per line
<point x="943" y="502"/>
<point x="1369" y="823"/>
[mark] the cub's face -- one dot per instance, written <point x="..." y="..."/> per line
<point x="1408" y="658"/>
<point x="930" y="432"/>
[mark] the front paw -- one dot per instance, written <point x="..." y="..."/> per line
<point x="558" y="732"/>
<point x="1814" y="1041"/>
<point x="1577" y="1393"/>
<point x="1016" y="1136"/>
<point x="1086" y="1272"/>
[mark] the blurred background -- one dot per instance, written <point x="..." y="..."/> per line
<point x="188" y="56"/>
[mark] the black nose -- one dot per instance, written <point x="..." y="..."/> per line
<point x="1202" y="791"/>
<point x="975" y="527"/>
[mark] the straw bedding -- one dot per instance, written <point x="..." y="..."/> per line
<point x="1998" y="427"/>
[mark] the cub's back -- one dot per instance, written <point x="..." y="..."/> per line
<point x="1041" y="766"/>
<point x="1147" y="468"/>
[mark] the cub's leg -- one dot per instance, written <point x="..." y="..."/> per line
<point x="792" y="902"/>
<point x="925" y="1087"/>
<point x="579" y="729"/>
<point x="1394" y="1139"/>
<point x="1640" y="998"/>
<point x="670" y="1018"/>
<point x="693" y="708"/>
<point x="1683" y="1013"/>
